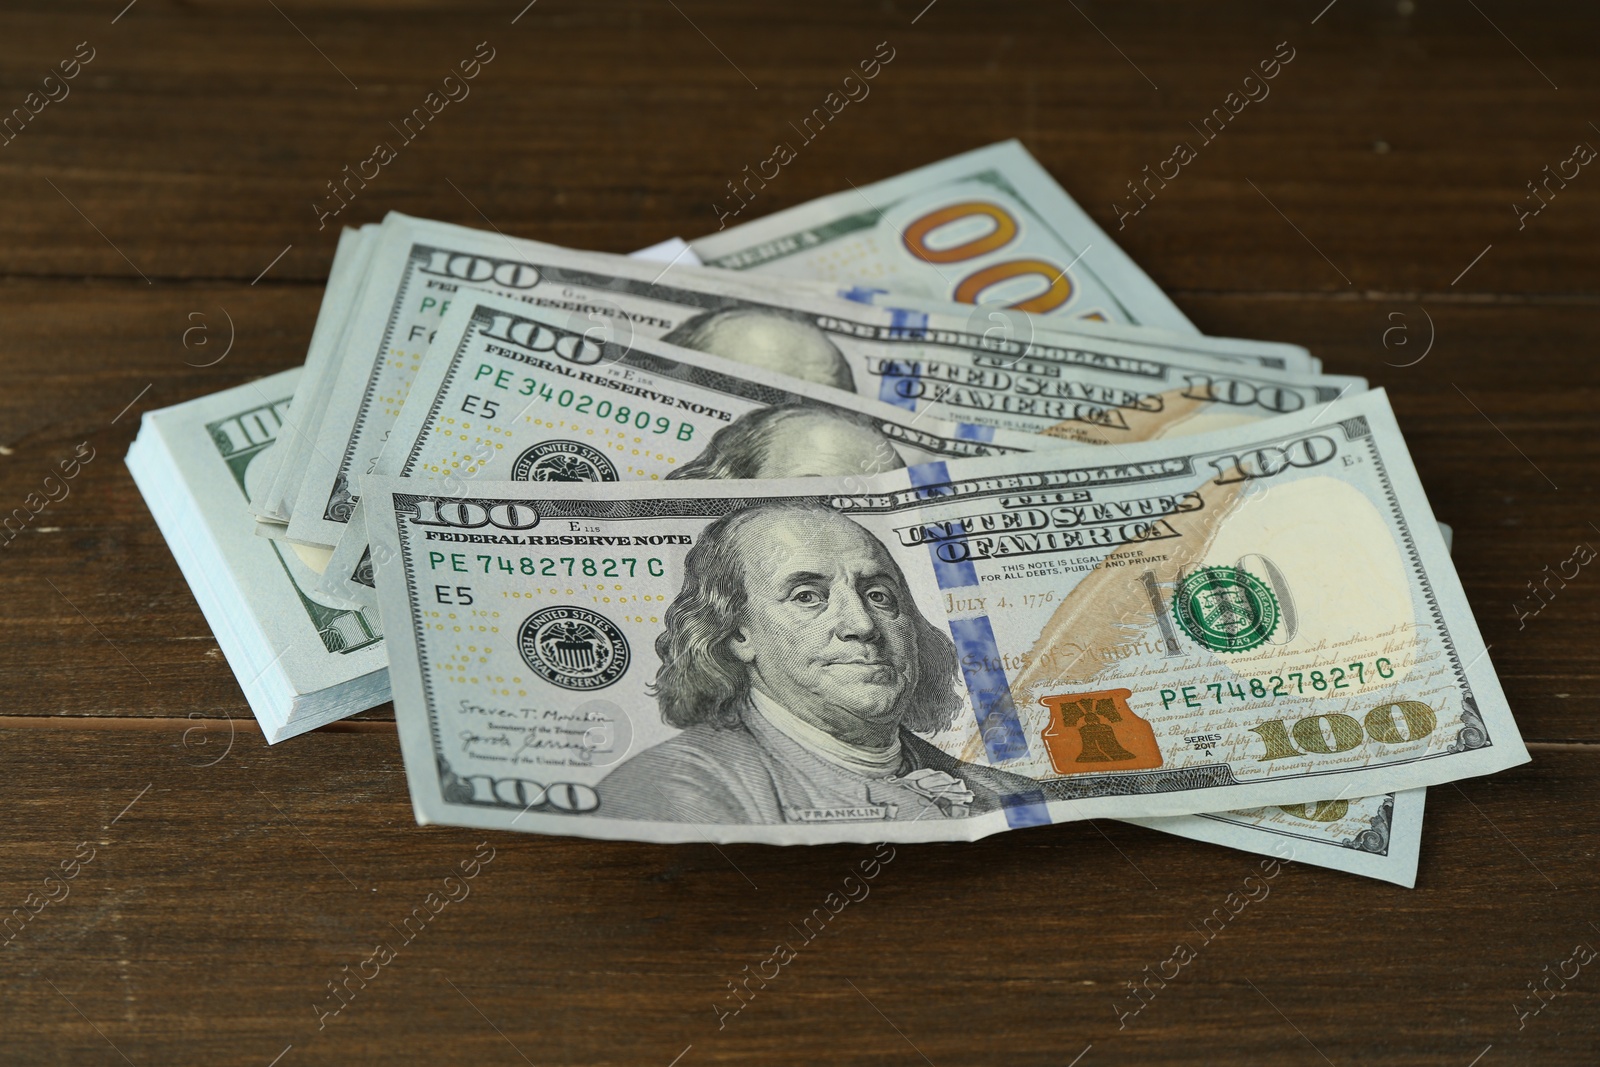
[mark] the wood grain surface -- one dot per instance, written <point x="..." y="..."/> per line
<point x="1364" y="209"/>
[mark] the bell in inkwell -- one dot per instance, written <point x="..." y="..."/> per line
<point x="1098" y="732"/>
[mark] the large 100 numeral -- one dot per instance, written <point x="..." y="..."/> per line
<point x="1236" y="393"/>
<point x="1337" y="732"/>
<point x="1058" y="287"/>
<point x="1319" y="810"/>
<point x="1269" y="460"/>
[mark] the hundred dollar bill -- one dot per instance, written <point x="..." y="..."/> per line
<point x="1100" y="391"/>
<point x="284" y="463"/>
<point x="1095" y="392"/>
<point x="1377" y="836"/>
<point x="346" y="282"/>
<point x="508" y="392"/>
<point x="998" y="320"/>
<point x="300" y="661"/>
<point x="1261" y="616"/>
<point x="987" y="225"/>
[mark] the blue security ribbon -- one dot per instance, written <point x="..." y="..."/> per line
<point x="982" y="668"/>
<point x="909" y="324"/>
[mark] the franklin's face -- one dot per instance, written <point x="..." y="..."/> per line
<point x="828" y="631"/>
<point x="816" y="444"/>
<point x="797" y="349"/>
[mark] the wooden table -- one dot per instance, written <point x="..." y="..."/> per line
<point x="1366" y="209"/>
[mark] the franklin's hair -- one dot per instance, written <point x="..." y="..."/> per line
<point x="701" y="681"/>
<point x="736" y="450"/>
<point x="698" y="332"/>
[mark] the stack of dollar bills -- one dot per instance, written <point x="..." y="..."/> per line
<point x="968" y="529"/>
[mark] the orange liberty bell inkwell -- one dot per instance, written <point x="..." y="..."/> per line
<point x="1090" y="732"/>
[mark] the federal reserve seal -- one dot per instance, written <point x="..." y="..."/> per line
<point x="563" y="461"/>
<point x="573" y="647"/>
<point x="1225" y="609"/>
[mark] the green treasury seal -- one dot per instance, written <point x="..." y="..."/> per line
<point x="1226" y="609"/>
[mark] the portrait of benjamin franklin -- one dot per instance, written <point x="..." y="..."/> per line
<point x="795" y="441"/>
<point x="784" y="341"/>
<point x="801" y="672"/>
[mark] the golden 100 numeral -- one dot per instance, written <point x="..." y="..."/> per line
<point x="1318" y="810"/>
<point x="1337" y="732"/>
<point x="1268" y="460"/>
<point x="1058" y="287"/>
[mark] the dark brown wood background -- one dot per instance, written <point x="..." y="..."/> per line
<point x="243" y="879"/>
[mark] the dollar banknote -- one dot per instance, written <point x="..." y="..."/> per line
<point x="509" y="392"/>
<point x="1261" y="616"/>
<point x="1094" y="391"/>
<point x="1102" y="393"/>
<point x="1377" y="836"/>
<point x="998" y="321"/>
<point x="989" y="225"/>
<point x="283" y="465"/>
<point x="347" y="277"/>
<point x="300" y="660"/>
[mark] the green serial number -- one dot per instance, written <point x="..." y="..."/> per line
<point x="622" y="414"/>
<point x="1275" y="685"/>
<point x="568" y="566"/>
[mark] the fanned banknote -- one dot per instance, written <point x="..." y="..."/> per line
<point x="1089" y="391"/>
<point x="1378" y="836"/>
<point x="1104" y="392"/>
<point x="284" y="464"/>
<point x="329" y="344"/>
<point x="998" y="320"/>
<point x="508" y="392"/>
<point x="987" y="225"/>
<point x="961" y="620"/>
<point x="1262" y="616"/>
